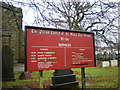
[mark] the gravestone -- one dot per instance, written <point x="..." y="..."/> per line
<point x="25" y="75"/>
<point x="64" y="79"/>
<point x="7" y="64"/>
<point x="113" y="55"/>
<point x="62" y="72"/>
<point x="105" y="64"/>
<point x="106" y="55"/>
<point x="114" y="63"/>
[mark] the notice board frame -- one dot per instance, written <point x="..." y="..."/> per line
<point x="54" y="29"/>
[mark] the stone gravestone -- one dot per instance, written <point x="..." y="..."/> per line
<point x="7" y="64"/>
<point x="106" y="55"/>
<point x="105" y="63"/>
<point x="25" y="75"/>
<point x="113" y="55"/>
<point x="114" y="63"/>
<point x="64" y="79"/>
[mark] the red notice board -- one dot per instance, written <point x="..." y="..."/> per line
<point x="51" y="49"/>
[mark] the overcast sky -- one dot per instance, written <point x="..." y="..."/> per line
<point x="28" y="14"/>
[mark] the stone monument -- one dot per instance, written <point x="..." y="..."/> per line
<point x="7" y="64"/>
<point x="113" y="55"/>
<point x="64" y="79"/>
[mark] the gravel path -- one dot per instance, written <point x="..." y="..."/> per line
<point x="19" y="67"/>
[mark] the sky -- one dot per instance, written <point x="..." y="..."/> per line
<point x="29" y="17"/>
<point x="64" y="0"/>
<point x="28" y="14"/>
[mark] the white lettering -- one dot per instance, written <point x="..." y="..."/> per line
<point x="64" y="45"/>
<point x="64" y="39"/>
<point x="44" y="49"/>
<point x="86" y="35"/>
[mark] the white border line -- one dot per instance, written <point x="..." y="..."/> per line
<point x="60" y="47"/>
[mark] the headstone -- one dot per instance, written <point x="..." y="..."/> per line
<point x="105" y="64"/>
<point x="114" y="63"/>
<point x="63" y="79"/>
<point x="62" y="72"/>
<point x="106" y="55"/>
<point x="113" y="55"/>
<point x="25" y="75"/>
<point x="100" y="56"/>
<point x="7" y="64"/>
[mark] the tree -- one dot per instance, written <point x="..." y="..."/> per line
<point x="99" y="17"/>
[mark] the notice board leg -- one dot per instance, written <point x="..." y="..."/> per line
<point x="83" y="77"/>
<point x="39" y="78"/>
<point x="41" y="73"/>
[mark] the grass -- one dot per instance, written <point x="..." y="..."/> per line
<point x="102" y="78"/>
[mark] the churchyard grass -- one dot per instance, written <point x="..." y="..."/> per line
<point x="97" y="77"/>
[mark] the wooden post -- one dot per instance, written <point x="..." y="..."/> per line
<point x="83" y="77"/>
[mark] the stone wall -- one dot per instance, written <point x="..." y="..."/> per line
<point x="12" y="33"/>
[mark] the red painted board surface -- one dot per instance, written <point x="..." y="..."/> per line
<point x="48" y="49"/>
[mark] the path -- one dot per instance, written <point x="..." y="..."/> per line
<point x="19" y="67"/>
